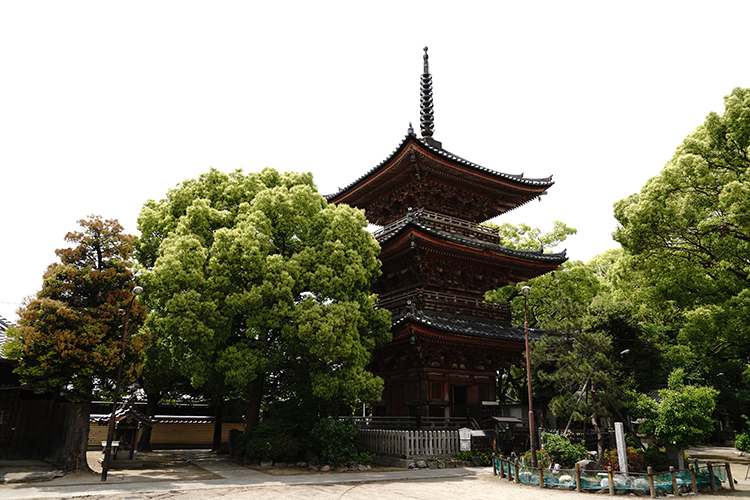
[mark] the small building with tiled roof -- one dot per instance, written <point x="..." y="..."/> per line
<point x="438" y="260"/>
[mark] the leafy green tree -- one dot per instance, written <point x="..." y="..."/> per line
<point x="681" y="417"/>
<point x="558" y="301"/>
<point x="525" y="237"/>
<point x="640" y="355"/>
<point x="603" y="264"/>
<point x="261" y="290"/>
<point x="577" y="365"/>
<point x="584" y="375"/>
<point x="160" y="379"/>
<point x="687" y="236"/>
<point x="68" y="337"/>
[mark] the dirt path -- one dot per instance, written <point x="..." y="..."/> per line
<point x="192" y="476"/>
<point x="485" y="487"/>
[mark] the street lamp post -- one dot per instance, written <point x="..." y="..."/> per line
<point x="525" y="290"/>
<point x="111" y="429"/>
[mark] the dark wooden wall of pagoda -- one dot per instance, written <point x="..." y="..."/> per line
<point x="437" y="263"/>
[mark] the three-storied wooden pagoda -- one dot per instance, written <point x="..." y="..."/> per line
<point x="448" y="343"/>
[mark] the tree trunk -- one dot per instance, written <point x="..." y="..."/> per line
<point x="152" y="404"/>
<point x="599" y="437"/>
<point x="252" y="418"/>
<point x="71" y="451"/>
<point x="217" y="428"/>
<point x="676" y="456"/>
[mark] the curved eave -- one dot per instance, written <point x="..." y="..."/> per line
<point x="469" y="329"/>
<point x="458" y="243"/>
<point x="518" y="181"/>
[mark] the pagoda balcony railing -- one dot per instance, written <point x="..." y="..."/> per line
<point x="444" y="223"/>
<point x="441" y="301"/>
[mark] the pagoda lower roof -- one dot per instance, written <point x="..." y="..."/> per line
<point x="403" y="225"/>
<point x="465" y="326"/>
<point x="415" y="161"/>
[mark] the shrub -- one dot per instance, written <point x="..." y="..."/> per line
<point x="271" y="440"/>
<point x="335" y="441"/>
<point x="656" y="458"/>
<point x="636" y="459"/>
<point x="639" y="460"/>
<point x="485" y="456"/>
<point x="364" y="458"/>
<point x="742" y="441"/>
<point x="562" y="451"/>
<point x="542" y="459"/>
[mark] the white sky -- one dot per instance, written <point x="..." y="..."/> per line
<point x="104" y="105"/>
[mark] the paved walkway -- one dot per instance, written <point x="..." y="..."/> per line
<point x="232" y="476"/>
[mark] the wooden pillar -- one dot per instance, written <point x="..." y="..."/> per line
<point x="693" y="480"/>
<point x="651" y="487"/>
<point x="729" y="476"/>
<point x="675" y="488"/>
<point x="578" y="477"/>
<point x="541" y="477"/>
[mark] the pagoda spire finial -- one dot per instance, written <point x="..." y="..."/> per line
<point x="427" y="119"/>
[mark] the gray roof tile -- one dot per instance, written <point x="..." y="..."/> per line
<point x="468" y="327"/>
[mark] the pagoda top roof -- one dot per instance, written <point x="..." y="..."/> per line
<point x="466" y="326"/>
<point x="436" y="147"/>
<point x="420" y="173"/>
<point x="399" y="181"/>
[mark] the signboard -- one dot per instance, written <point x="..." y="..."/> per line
<point x="464" y="439"/>
<point x="622" y="452"/>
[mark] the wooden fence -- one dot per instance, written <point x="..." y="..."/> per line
<point x="408" y="444"/>
<point x="414" y="423"/>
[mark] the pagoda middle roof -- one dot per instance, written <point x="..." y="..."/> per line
<point x="415" y="157"/>
<point x="466" y="326"/>
<point x="413" y="221"/>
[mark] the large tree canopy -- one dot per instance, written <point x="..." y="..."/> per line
<point x="558" y="301"/>
<point x="690" y="225"/>
<point x="687" y="242"/>
<point x="260" y="288"/>
<point x="69" y="336"/>
<point x="525" y="237"/>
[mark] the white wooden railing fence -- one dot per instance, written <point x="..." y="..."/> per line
<point x="410" y="443"/>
